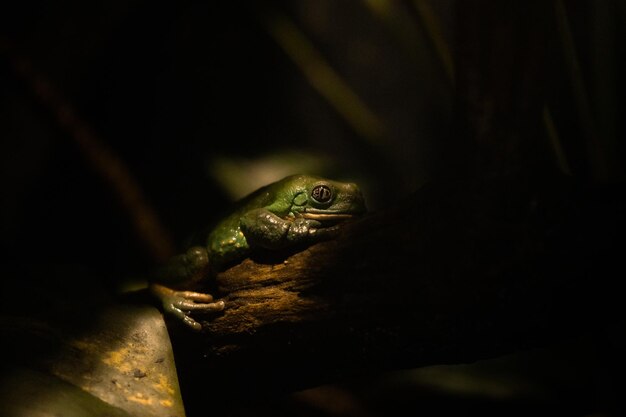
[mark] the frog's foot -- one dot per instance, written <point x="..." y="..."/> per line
<point x="324" y="233"/>
<point x="181" y="303"/>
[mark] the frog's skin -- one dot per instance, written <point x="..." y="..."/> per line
<point x="300" y="209"/>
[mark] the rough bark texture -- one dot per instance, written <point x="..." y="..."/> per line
<point x="460" y="271"/>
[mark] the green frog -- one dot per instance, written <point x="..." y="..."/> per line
<point x="295" y="211"/>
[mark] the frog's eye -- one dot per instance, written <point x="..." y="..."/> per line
<point x="321" y="193"/>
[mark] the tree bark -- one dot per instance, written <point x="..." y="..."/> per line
<point x="460" y="271"/>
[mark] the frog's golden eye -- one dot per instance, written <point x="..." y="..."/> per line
<point x="321" y="193"/>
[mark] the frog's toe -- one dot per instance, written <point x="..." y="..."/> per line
<point x="182" y="307"/>
<point x="324" y="233"/>
<point x="192" y="323"/>
<point x="190" y="305"/>
<point x="195" y="296"/>
<point x="181" y="303"/>
<point x="177" y="312"/>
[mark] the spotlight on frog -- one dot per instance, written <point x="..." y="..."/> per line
<point x="297" y="210"/>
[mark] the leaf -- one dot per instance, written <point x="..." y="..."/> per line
<point x="75" y="352"/>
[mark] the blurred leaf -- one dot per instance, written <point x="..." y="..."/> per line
<point x="406" y="30"/>
<point x="29" y="393"/>
<point x="126" y="360"/>
<point x="241" y="176"/>
<point x="325" y="79"/>
<point x="555" y="141"/>
<point x="596" y="154"/>
<point x="74" y="349"/>
<point x="433" y="29"/>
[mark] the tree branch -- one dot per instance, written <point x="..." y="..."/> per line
<point x="458" y="272"/>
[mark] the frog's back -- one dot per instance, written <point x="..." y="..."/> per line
<point x="226" y="242"/>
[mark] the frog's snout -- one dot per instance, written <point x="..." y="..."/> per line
<point x="353" y="199"/>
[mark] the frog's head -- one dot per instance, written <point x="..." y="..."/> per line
<point x="325" y="200"/>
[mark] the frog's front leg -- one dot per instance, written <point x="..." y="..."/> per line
<point x="185" y="269"/>
<point x="264" y="229"/>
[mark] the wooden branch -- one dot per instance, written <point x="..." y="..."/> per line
<point x="460" y="271"/>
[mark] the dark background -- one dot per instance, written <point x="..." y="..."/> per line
<point x="170" y="89"/>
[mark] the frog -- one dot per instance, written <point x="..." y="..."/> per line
<point x="297" y="211"/>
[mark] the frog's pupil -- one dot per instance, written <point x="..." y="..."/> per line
<point x="321" y="193"/>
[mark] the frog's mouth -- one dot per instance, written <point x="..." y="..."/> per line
<point x="327" y="216"/>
